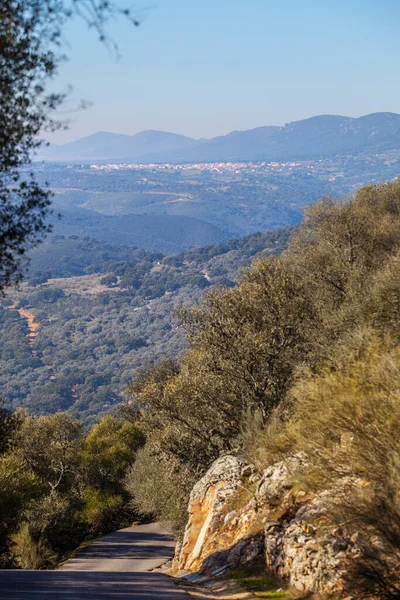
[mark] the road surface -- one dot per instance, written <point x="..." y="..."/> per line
<point x="113" y="568"/>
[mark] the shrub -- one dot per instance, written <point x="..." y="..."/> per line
<point x="55" y="523"/>
<point x="105" y="513"/>
<point x="31" y="554"/>
<point x="347" y="420"/>
<point x="160" y="486"/>
<point x="341" y="244"/>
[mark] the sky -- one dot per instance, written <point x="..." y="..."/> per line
<point x="207" y="67"/>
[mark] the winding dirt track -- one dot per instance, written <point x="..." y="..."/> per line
<point x="113" y="568"/>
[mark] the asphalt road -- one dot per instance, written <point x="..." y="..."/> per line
<point x="113" y="568"/>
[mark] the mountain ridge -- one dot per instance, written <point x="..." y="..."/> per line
<point x="119" y="144"/>
<point x="321" y="135"/>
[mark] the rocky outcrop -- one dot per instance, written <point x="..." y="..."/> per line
<point x="238" y="516"/>
<point x="208" y="505"/>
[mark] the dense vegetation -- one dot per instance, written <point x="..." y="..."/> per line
<point x="60" y="485"/>
<point x="91" y="343"/>
<point x="301" y="355"/>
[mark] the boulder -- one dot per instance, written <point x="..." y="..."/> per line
<point x="238" y="519"/>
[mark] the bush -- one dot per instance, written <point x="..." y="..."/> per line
<point x="160" y="486"/>
<point x="31" y="554"/>
<point x="341" y="244"/>
<point x="105" y="513"/>
<point x="58" y="486"/>
<point x="261" y="443"/>
<point x="55" y="523"/>
<point x="347" y="420"/>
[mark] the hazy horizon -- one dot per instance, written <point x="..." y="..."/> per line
<point x="218" y="135"/>
<point x="205" y="69"/>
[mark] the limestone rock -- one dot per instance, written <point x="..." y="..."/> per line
<point x="226" y="468"/>
<point x="246" y="551"/>
<point x="289" y="531"/>
<point x="207" y="509"/>
<point x="276" y="479"/>
<point x="231" y="518"/>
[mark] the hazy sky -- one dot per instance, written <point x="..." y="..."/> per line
<point x="204" y="68"/>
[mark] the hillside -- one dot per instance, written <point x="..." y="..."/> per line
<point x="104" y="313"/>
<point x="280" y="451"/>
<point x="160" y="233"/>
<point x="271" y="445"/>
<point x="319" y="136"/>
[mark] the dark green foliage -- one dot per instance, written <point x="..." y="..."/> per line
<point x="58" y="485"/>
<point x="8" y="424"/>
<point x="109" y="280"/>
<point x="69" y="256"/>
<point x="159" y="233"/>
<point x="88" y="347"/>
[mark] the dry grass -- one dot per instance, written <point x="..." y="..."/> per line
<point x="256" y="581"/>
<point x="83" y="285"/>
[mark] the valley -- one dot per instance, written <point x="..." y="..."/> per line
<point x="134" y="243"/>
<point x="105" y="312"/>
<point x="172" y="208"/>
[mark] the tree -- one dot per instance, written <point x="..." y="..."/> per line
<point x="109" y="280"/>
<point x="27" y="64"/>
<point x="30" y="41"/>
<point x="18" y="486"/>
<point x="160" y="486"/>
<point x="341" y="244"/>
<point x="246" y="343"/>
<point x="8" y="425"/>
<point x="108" y="450"/>
<point x="49" y="446"/>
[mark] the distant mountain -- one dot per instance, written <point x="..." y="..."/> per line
<point x="324" y="136"/>
<point x="321" y="136"/>
<point x="104" y="145"/>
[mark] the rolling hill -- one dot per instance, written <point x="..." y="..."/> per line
<point x="157" y="233"/>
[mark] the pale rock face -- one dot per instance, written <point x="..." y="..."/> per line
<point x="276" y="479"/>
<point x="207" y="506"/>
<point x="226" y="468"/>
<point x="289" y="532"/>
